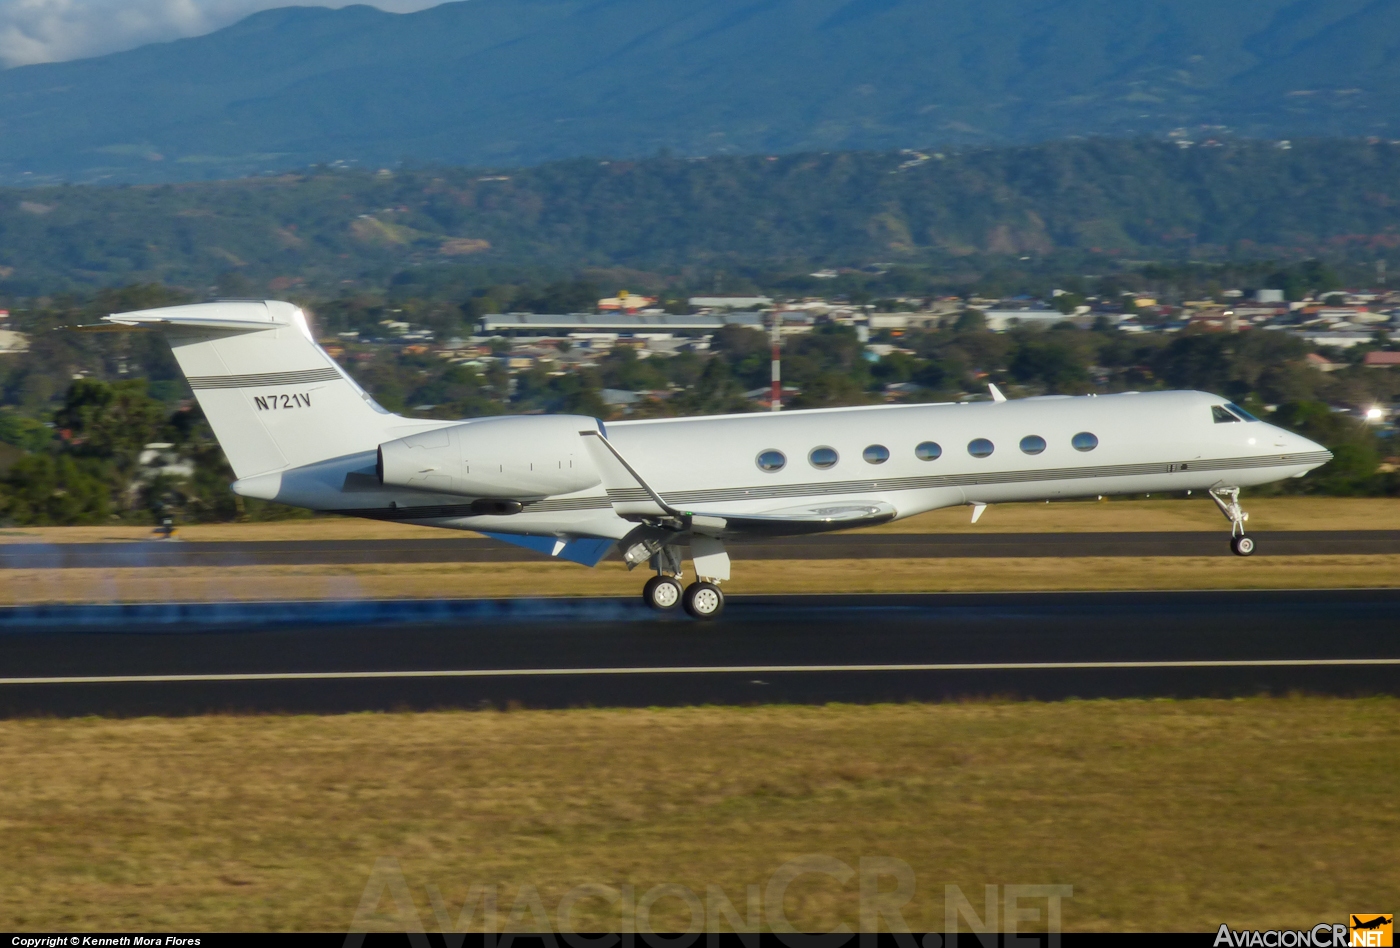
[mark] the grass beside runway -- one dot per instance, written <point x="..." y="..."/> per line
<point x="1162" y="815"/>
<point x="1109" y="516"/>
<point x="547" y="578"/>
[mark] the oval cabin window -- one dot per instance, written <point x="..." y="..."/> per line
<point x="980" y="448"/>
<point x="1084" y="441"/>
<point x="876" y="454"/>
<point x="823" y="458"/>
<point x="771" y="461"/>
<point x="1032" y="444"/>
<point x="928" y="451"/>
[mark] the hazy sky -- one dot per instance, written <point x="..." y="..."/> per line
<point x="41" y="31"/>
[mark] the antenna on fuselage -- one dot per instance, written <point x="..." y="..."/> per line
<point x="997" y="396"/>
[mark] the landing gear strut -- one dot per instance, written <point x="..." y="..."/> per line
<point x="1228" y="500"/>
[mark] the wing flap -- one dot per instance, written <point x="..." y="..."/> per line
<point x="807" y="518"/>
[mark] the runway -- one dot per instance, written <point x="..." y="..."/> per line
<point x="829" y="546"/>
<point x="347" y="656"/>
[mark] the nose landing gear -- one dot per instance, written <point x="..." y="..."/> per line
<point x="1228" y="500"/>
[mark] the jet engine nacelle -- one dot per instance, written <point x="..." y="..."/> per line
<point x="521" y="457"/>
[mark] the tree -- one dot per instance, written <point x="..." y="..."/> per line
<point x="110" y="422"/>
<point x="44" y="489"/>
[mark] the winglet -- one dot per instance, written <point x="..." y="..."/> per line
<point x="997" y="396"/>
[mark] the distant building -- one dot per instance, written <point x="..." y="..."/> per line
<point x="1381" y="360"/>
<point x="1216" y="320"/>
<point x="546" y="324"/>
<point x="912" y="320"/>
<point x="1000" y="320"/>
<point x="1339" y="339"/>
<point x="620" y="398"/>
<point x="897" y="390"/>
<point x="795" y="321"/>
<point x="625" y="302"/>
<point x="160" y="459"/>
<point x="1319" y="362"/>
<point x="11" y="342"/>
<point x="730" y="302"/>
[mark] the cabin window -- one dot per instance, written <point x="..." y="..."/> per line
<point x="1032" y="444"/>
<point x="1220" y="415"/>
<point x="928" y="451"/>
<point x="980" y="448"/>
<point x="823" y="458"/>
<point x="1084" y="441"/>
<point x="876" y="454"/>
<point x="1241" y="412"/>
<point x="771" y="461"/>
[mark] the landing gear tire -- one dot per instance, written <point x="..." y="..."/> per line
<point x="662" y="592"/>
<point x="703" y="600"/>
<point x="1242" y="545"/>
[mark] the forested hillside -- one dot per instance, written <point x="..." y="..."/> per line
<point x="1093" y="202"/>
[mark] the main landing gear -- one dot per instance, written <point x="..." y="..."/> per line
<point x="1228" y="500"/>
<point x="702" y="599"/>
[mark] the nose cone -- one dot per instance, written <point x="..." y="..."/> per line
<point x="1314" y="454"/>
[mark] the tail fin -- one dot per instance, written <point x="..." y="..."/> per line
<point x="273" y="397"/>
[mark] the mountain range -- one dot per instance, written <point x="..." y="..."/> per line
<point x="512" y="82"/>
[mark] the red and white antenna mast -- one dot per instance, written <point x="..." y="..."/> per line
<point x="776" y="402"/>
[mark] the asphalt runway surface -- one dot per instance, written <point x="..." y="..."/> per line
<point x="349" y="656"/>
<point x="842" y="546"/>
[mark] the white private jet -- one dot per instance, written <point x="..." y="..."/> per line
<point x="298" y="430"/>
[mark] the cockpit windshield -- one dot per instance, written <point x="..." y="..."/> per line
<point x="1224" y="414"/>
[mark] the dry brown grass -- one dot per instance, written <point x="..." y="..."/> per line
<point x="1270" y="513"/>
<point x="549" y="578"/>
<point x="1162" y="815"/>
